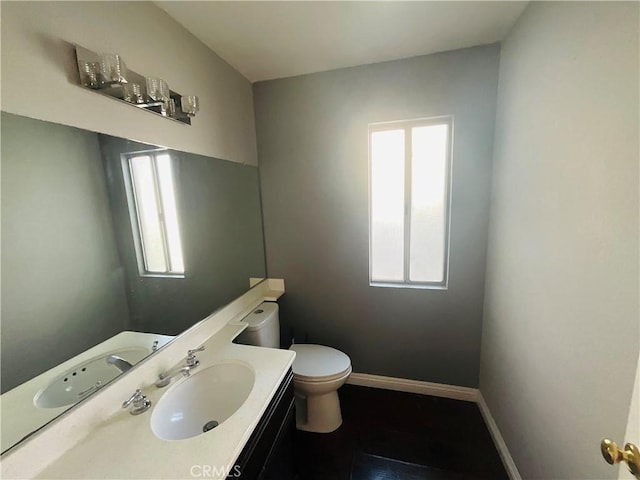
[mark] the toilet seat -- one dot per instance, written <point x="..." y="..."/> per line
<point x="329" y="378"/>
<point x="318" y="363"/>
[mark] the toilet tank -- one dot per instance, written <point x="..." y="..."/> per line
<point x="263" y="327"/>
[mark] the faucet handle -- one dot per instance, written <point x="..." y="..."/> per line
<point x="140" y="403"/>
<point x="136" y="396"/>
<point x="191" y="356"/>
<point x="191" y="352"/>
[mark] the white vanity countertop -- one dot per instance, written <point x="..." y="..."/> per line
<point x="124" y="446"/>
<point x="99" y="439"/>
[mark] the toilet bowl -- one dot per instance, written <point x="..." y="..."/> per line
<point x="318" y="371"/>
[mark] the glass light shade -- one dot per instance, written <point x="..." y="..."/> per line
<point x="171" y="108"/>
<point x="157" y="89"/>
<point x="132" y="93"/>
<point x="90" y="74"/>
<point x="113" y="68"/>
<point x="190" y="105"/>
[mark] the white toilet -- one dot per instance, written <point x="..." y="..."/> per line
<point x="318" y="371"/>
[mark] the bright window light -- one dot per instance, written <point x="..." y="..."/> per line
<point x="387" y="204"/>
<point x="154" y="216"/>
<point x="165" y="182"/>
<point x="410" y="166"/>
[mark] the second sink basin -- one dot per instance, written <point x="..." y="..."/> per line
<point x="85" y="378"/>
<point x="202" y="402"/>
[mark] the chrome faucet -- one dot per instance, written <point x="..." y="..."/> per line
<point x="191" y="362"/>
<point x="191" y="359"/>
<point x="119" y="362"/>
<point x="139" y="401"/>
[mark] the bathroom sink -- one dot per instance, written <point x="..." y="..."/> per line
<point x="202" y="402"/>
<point x="85" y="378"/>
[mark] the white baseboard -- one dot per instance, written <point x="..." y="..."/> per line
<point x="445" y="391"/>
<point x="414" y="386"/>
<point x="499" y="442"/>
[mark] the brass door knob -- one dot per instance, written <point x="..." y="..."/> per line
<point x="630" y="455"/>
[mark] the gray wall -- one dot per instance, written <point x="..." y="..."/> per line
<point x="62" y="285"/>
<point x="312" y="145"/>
<point x="560" y="331"/>
<point x="220" y="221"/>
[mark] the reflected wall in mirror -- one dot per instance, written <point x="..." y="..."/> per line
<point x="77" y="264"/>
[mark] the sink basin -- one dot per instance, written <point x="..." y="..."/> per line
<point x="85" y="378"/>
<point x="203" y="401"/>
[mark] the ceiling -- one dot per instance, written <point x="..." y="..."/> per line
<point x="265" y="40"/>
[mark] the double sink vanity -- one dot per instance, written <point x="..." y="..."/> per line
<point x="221" y="410"/>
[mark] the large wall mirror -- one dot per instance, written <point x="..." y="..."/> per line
<point x="109" y="249"/>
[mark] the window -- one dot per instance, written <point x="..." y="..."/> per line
<point x="409" y="175"/>
<point x="154" y="218"/>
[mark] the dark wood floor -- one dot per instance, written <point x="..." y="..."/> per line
<point x="389" y="435"/>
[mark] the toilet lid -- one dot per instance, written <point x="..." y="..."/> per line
<point x="314" y="361"/>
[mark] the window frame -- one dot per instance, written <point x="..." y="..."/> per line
<point x="134" y="215"/>
<point x="407" y="125"/>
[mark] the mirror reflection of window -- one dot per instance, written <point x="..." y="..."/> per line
<point x="154" y="215"/>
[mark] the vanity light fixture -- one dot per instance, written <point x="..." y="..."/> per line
<point x="108" y="75"/>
